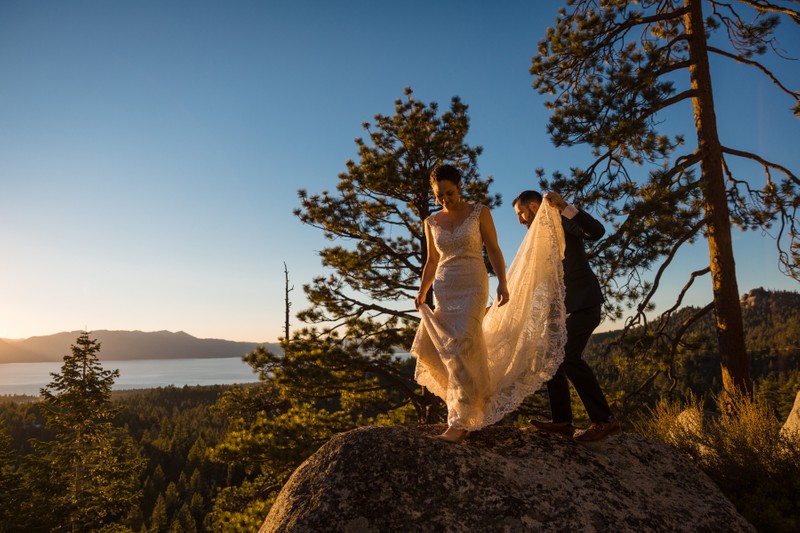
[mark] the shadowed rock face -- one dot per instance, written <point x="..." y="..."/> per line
<point x="385" y="479"/>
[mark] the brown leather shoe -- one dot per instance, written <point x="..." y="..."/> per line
<point x="562" y="428"/>
<point x="598" y="431"/>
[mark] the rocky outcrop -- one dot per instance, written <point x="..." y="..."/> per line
<point x="692" y="423"/>
<point x="386" y="479"/>
<point x="791" y="428"/>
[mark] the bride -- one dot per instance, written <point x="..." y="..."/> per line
<point x="483" y="367"/>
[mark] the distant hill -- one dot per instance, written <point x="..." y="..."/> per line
<point x="772" y="339"/>
<point x="771" y="323"/>
<point x="121" y="345"/>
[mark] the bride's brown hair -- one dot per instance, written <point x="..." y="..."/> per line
<point x="446" y="173"/>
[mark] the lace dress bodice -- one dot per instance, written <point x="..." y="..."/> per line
<point x="461" y="246"/>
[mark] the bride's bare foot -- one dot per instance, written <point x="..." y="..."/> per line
<point x="456" y="436"/>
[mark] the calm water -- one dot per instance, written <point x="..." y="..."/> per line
<point x="28" y="378"/>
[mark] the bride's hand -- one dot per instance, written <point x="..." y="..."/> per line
<point x="419" y="300"/>
<point x="502" y="295"/>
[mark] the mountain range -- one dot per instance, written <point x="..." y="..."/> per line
<point x="772" y="322"/>
<point x="125" y="345"/>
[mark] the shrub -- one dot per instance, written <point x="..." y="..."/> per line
<point x="741" y="448"/>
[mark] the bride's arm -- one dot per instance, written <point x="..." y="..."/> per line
<point x="429" y="270"/>
<point x="489" y="235"/>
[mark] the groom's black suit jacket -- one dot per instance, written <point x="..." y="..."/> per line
<point x="583" y="289"/>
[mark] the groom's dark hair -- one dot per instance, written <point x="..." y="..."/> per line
<point x="527" y="197"/>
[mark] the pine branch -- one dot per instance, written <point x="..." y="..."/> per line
<point x="668" y="260"/>
<point x="361" y="308"/>
<point x="696" y="274"/>
<point x="641" y="319"/>
<point x="672" y="67"/>
<point x="612" y="160"/>
<point x="683" y="163"/>
<point x="766" y="164"/>
<point x="766" y="6"/>
<point x="676" y="341"/>
<point x="398" y="381"/>
<point x="640" y="390"/>
<point x="759" y="66"/>
<point x="689" y="93"/>
<point x="788" y="267"/>
<point x="638" y="21"/>
<point x="610" y="37"/>
<point x="664" y="317"/>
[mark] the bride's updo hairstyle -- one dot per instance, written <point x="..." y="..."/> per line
<point x="446" y="173"/>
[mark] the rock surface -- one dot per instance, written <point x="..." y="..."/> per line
<point x="385" y="479"/>
<point x="792" y="425"/>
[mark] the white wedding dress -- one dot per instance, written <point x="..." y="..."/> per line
<point x="483" y="367"/>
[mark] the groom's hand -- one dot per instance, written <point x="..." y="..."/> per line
<point x="556" y="200"/>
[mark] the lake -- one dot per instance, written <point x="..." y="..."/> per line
<point x="28" y="378"/>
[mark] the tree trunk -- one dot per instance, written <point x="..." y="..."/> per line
<point x="730" y="329"/>
<point x="287" y="303"/>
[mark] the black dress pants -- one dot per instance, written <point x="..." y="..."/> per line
<point x="580" y="325"/>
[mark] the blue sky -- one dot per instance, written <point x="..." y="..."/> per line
<point x="151" y="152"/>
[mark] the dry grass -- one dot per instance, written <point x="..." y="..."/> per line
<point x="741" y="448"/>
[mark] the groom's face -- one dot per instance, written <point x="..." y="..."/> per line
<point x="526" y="212"/>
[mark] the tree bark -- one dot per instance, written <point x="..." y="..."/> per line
<point x="730" y="328"/>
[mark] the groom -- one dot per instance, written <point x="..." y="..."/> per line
<point x="584" y="300"/>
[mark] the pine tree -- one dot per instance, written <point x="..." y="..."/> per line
<point x="612" y="67"/>
<point x="267" y="445"/>
<point x="92" y="468"/>
<point x="159" y="519"/>
<point x="197" y="507"/>
<point x="183" y="521"/>
<point x="11" y="486"/>
<point x="342" y="371"/>
<point x="363" y="312"/>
